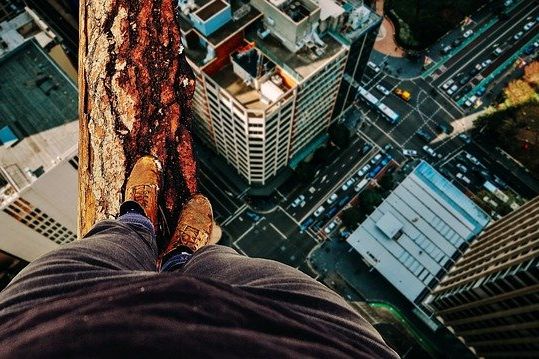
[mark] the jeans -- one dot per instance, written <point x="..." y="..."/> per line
<point x="117" y="249"/>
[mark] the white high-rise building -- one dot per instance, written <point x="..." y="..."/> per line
<point x="38" y="162"/>
<point x="270" y="74"/>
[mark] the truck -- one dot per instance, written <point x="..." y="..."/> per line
<point x="404" y="94"/>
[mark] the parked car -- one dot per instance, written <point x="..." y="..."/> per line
<point x="457" y="42"/>
<point x="529" y="25"/>
<point x="298" y="200"/>
<point x="376" y="158"/>
<point x="425" y="135"/>
<point x="409" y="153"/>
<point x="448" y="84"/>
<point x="486" y="63"/>
<point x="462" y="168"/>
<point x="518" y="35"/>
<point x="463" y="178"/>
<point x="387" y="147"/>
<point x="430" y="151"/>
<point x="480" y="91"/>
<point x="253" y="216"/>
<point x="465" y="138"/>
<point x="452" y="89"/>
<point x="373" y="66"/>
<point x="361" y="185"/>
<point x="446" y="49"/>
<point x="330" y="227"/>
<point x="319" y="211"/>
<point x="444" y="127"/>
<point x="366" y="148"/>
<point x="383" y="90"/>
<point x="332" y="198"/>
<point x="467" y="34"/>
<point x="464" y="79"/>
<point x="471" y="101"/>
<point x="348" y="184"/>
<point x="472" y="159"/>
<point x="363" y="171"/>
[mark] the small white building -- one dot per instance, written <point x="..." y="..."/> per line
<point x="418" y="232"/>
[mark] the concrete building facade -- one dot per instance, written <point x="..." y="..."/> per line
<point x="418" y="232"/>
<point x="490" y="297"/>
<point x="38" y="153"/>
<point x="268" y="76"/>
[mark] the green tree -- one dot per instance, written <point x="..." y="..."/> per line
<point x="351" y="217"/>
<point x="339" y="134"/>
<point x="387" y="182"/>
<point x="369" y="199"/>
<point x="305" y="171"/>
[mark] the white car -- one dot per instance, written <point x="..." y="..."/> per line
<point x="462" y="168"/>
<point x="373" y="66"/>
<point x="467" y="34"/>
<point x="463" y="178"/>
<point x="430" y="151"/>
<point x="452" y="90"/>
<point x="529" y="25"/>
<point x="332" y="198"/>
<point x="361" y="185"/>
<point x="448" y="83"/>
<point x="486" y="63"/>
<point x="409" y="153"/>
<point x="518" y="35"/>
<point x="472" y="159"/>
<point x="298" y="201"/>
<point x="319" y="211"/>
<point x="383" y="90"/>
<point x="362" y="172"/>
<point x="498" y="51"/>
<point x="330" y="227"/>
<point x="376" y="158"/>
<point x="348" y="184"/>
<point x="471" y="101"/>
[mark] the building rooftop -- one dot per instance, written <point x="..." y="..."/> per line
<point x="419" y="230"/>
<point x="242" y="16"/>
<point x="303" y="63"/>
<point x="38" y="113"/>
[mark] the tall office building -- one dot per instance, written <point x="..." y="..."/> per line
<point x="269" y="73"/>
<point x="490" y="297"/>
<point x="38" y="151"/>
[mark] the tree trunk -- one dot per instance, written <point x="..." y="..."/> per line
<point x="135" y="99"/>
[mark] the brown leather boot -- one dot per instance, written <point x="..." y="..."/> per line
<point x="143" y="187"/>
<point x="194" y="228"/>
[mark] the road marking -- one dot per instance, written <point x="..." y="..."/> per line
<point x="235" y="215"/>
<point x="277" y="230"/>
<point x="244" y="234"/>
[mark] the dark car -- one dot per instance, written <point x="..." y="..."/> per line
<point x="457" y="42"/>
<point x="464" y="80"/>
<point x="366" y="148"/>
<point x="444" y="127"/>
<point x="425" y="135"/>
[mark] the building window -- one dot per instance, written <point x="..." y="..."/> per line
<point x="32" y="217"/>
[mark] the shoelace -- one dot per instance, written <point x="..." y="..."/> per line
<point x="141" y="195"/>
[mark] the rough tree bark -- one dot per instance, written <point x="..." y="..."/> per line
<point x="135" y="99"/>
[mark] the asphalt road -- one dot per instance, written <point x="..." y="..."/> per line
<point x="460" y="67"/>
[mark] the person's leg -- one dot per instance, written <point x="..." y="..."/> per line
<point x="111" y="250"/>
<point x="226" y="265"/>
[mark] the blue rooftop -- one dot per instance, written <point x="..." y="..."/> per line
<point x="458" y="200"/>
